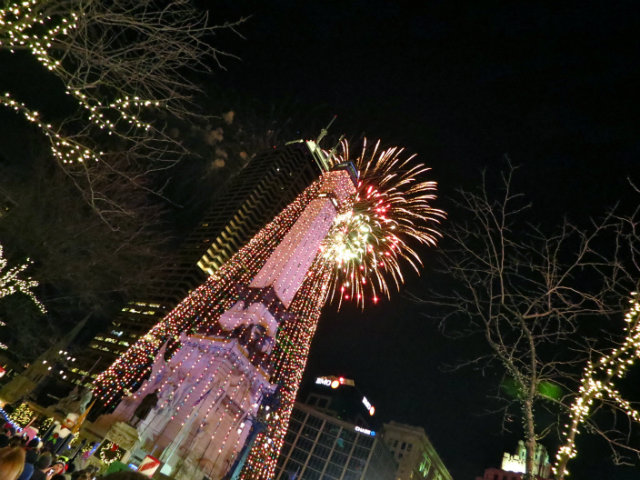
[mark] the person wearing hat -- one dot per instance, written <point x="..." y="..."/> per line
<point x="58" y="467"/>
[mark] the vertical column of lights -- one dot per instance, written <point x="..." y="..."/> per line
<point x="232" y="393"/>
<point x="165" y="383"/>
<point x="281" y="257"/>
<point x="292" y="350"/>
<point x="184" y="377"/>
<point x="292" y="353"/>
<point x="217" y="399"/>
<point x="598" y="382"/>
<point x="201" y="309"/>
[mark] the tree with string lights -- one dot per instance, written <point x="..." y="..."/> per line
<point x="537" y="299"/>
<point x="13" y="280"/>
<point x="127" y="67"/>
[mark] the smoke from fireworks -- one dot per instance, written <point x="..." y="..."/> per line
<point x="369" y="242"/>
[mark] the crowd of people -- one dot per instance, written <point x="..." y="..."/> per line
<point x="24" y="459"/>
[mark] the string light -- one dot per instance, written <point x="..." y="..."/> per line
<point x="24" y="27"/>
<point x="598" y="383"/>
<point x="11" y="281"/>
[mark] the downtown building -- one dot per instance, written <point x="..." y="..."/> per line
<point x="513" y="465"/>
<point x="269" y="182"/>
<point x="417" y="458"/>
<point x="330" y="437"/>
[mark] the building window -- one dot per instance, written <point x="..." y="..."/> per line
<point x="425" y="465"/>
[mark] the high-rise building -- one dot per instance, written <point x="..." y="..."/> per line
<point x="318" y="445"/>
<point x="417" y="458"/>
<point x="269" y="182"/>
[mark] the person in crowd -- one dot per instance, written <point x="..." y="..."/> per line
<point x="27" y="472"/>
<point x="58" y="467"/>
<point x="11" y="462"/>
<point x="16" y="441"/>
<point x="42" y="467"/>
<point x="33" y="451"/>
<point x="31" y="457"/>
<point x="82" y="475"/>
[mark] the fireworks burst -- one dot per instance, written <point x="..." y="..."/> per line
<point x="369" y="241"/>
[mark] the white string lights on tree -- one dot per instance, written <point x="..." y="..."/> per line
<point x="11" y="281"/>
<point x="21" y="28"/>
<point x="598" y="383"/>
<point x="65" y="149"/>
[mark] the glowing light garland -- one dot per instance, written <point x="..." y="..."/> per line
<point x="598" y="382"/>
<point x="10" y="281"/>
<point x="24" y="25"/>
<point x="21" y="25"/>
<point x="22" y="415"/>
<point x="110" y="452"/>
<point x="390" y="209"/>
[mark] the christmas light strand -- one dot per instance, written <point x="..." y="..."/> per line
<point x="22" y="26"/>
<point x="11" y="281"/>
<point x="64" y="149"/>
<point x="598" y="382"/>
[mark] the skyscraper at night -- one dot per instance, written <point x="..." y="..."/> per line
<point x="269" y="182"/>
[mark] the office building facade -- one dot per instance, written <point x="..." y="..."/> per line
<point x="417" y="458"/>
<point x="320" y="446"/>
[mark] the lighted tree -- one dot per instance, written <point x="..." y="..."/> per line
<point x="528" y="293"/>
<point x="598" y="387"/>
<point x="127" y="65"/>
<point x="13" y="280"/>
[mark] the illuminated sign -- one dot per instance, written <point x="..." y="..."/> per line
<point x="368" y="406"/>
<point x="334" y="382"/>
<point x="323" y="381"/>
<point x="366" y="431"/>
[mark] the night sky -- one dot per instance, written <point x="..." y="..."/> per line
<point x="553" y="87"/>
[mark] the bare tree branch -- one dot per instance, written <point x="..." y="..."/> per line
<point x="531" y="296"/>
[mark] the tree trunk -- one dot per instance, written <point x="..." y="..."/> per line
<point x="530" y="440"/>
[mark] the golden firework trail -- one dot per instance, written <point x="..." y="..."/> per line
<point x="371" y="240"/>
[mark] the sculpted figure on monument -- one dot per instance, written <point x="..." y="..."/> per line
<point x="75" y="402"/>
<point x="146" y="405"/>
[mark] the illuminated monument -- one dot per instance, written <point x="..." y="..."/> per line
<point x="209" y="390"/>
<point x="207" y="395"/>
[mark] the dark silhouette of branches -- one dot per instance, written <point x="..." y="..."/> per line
<point x="539" y="300"/>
